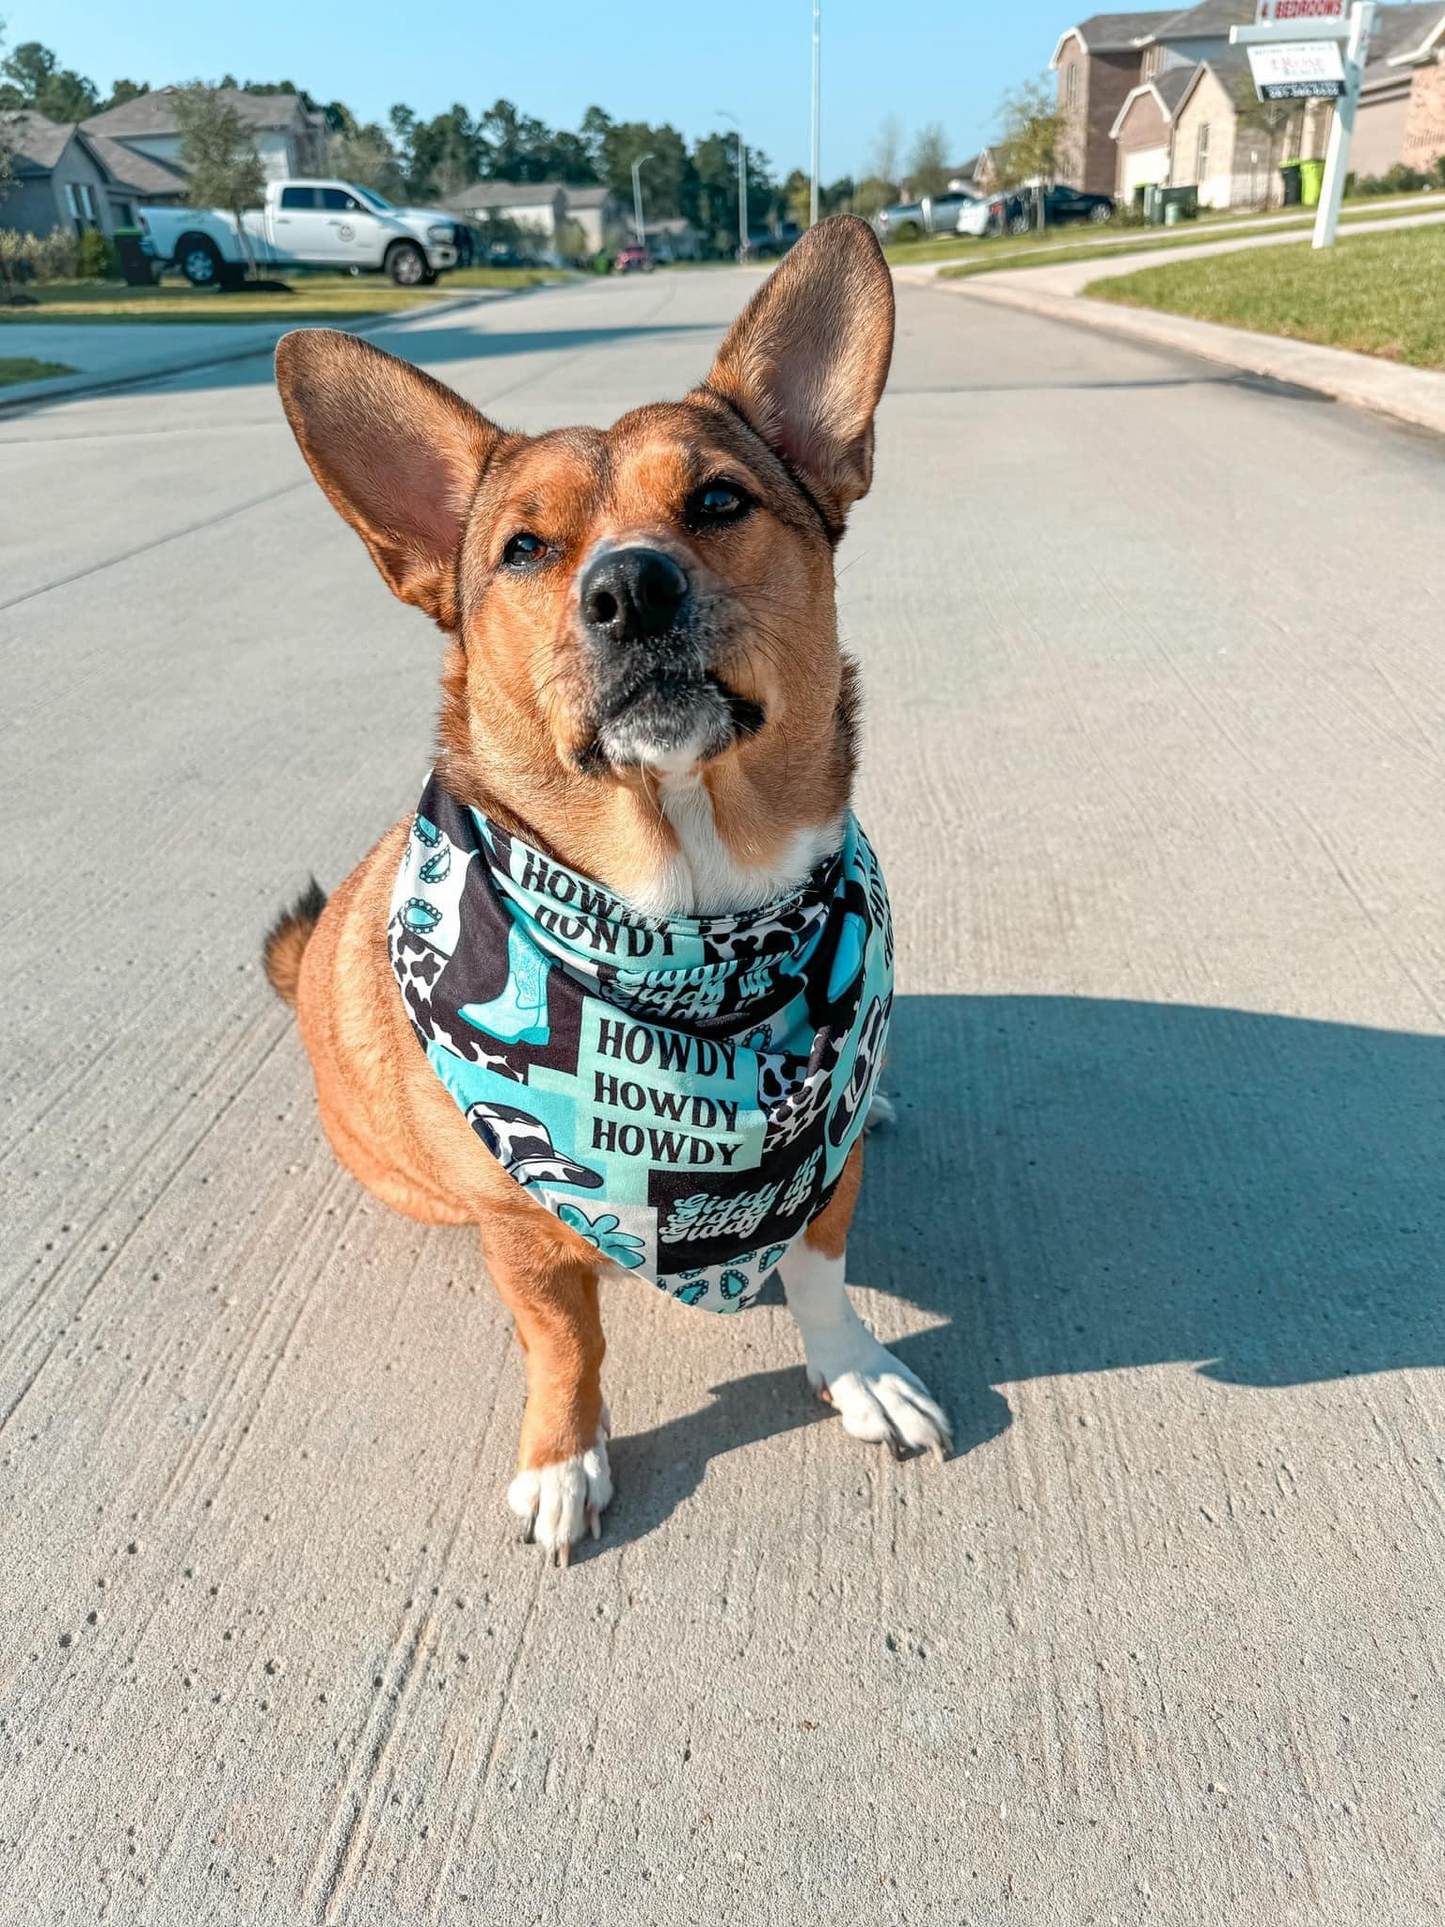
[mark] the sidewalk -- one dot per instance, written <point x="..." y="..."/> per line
<point x="118" y="354"/>
<point x="1414" y="395"/>
<point x="1301" y="219"/>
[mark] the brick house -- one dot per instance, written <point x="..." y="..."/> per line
<point x="1143" y="134"/>
<point x="1099" y="63"/>
<point x="1401" y="116"/>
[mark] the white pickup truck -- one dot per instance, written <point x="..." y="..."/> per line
<point x="310" y="224"/>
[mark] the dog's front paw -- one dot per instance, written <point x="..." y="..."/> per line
<point x="878" y="1398"/>
<point x="561" y="1501"/>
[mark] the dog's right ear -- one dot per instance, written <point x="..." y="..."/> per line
<point x="397" y="453"/>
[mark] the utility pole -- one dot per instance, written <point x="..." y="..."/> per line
<point x="742" y="184"/>
<point x="817" y="108"/>
<point x="637" y="167"/>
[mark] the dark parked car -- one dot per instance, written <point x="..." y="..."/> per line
<point x="1019" y="212"/>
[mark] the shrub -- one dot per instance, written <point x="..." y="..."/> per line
<point x="53" y="256"/>
<point x="94" y="257"/>
<point x="1398" y="179"/>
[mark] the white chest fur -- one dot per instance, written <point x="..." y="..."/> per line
<point x="703" y="878"/>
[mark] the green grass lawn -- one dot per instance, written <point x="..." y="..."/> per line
<point x="978" y="256"/>
<point x="314" y="297"/>
<point x="15" y="368"/>
<point x="1379" y="294"/>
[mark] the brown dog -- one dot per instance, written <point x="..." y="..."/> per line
<point x="714" y="792"/>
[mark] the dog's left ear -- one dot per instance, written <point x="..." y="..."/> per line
<point x="806" y="360"/>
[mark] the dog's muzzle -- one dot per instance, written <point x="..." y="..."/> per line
<point x="656" y="696"/>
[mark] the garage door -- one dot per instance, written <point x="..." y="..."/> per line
<point x="1144" y="167"/>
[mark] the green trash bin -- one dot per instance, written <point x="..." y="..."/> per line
<point x="1311" y="180"/>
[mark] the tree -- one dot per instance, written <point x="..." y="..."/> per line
<point x="1034" y="139"/>
<point x="883" y="163"/>
<point x="669" y="180"/>
<point x="219" y="152"/>
<point x="365" y="155"/>
<point x="1268" y="120"/>
<point x="873" y="194"/>
<point x="32" y="78"/>
<point x="122" y="91"/>
<point x="928" y="161"/>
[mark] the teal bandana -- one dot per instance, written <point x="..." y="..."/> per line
<point x="683" y="1092"/>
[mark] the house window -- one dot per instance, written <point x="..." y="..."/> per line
<point x="80" y="200"/>
<point x="1149" y="65"/>
<point x="1201" y="152"/>
<point x="1071" y="83"/>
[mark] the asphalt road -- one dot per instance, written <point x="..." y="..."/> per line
<point x="1154" y="735"/>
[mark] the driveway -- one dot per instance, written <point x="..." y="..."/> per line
<point x="1154" y="731"/>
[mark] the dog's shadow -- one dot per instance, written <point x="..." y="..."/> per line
<point x="1074" y="1184"/>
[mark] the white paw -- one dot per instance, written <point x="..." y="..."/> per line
<point x="562" y="1501"/>
<point x="878" y="1398"/>
<point x="881" y="1110"/>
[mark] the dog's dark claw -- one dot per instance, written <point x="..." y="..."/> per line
<point x="897" y="1447"/>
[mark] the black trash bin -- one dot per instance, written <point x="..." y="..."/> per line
<point x="138" y="267"/>
<point x="1293" y="188"/>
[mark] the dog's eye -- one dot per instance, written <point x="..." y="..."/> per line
<point x="522" y="550"/>
<point x="717" y="502"/>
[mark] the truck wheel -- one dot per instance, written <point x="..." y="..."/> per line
<point x="908" y="231"/>
<point x="199" y="260"/>
<point x="407" y="265"/>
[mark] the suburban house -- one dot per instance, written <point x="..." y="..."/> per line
<point x="537" y="209"/>
<point x="976" y="176"/>
<point x="290" y="137"/>
<point x="1401" y="116"/>
<point x="1143" y="133"/>
<point x="67" y="178"/>
<point x="1221" y="152"/>
<point x="605" y="221"/>
<point x="1099" y="63"/>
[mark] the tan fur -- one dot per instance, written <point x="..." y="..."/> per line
<point x="435" y="491"/>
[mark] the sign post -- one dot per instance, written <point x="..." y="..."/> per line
<point x="1294" y="55"/>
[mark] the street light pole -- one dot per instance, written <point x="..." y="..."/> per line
<point x="637" y="167"/>
<point x="817" y="107"/>
<point x="742" y="184"/>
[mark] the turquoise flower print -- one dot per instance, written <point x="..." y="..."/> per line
<point x="604" y="1235"/>
<point x="692" y="1294"/>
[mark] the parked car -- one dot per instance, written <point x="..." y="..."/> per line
<point x="934" y="214"/>
<point x="311" y="224"/>
<point x="980" y="217"/>
<point x="767" y="244"/>
<point x="1019" y="211"/>
<point x="633" y="260"/>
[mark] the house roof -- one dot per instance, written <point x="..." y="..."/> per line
<point x="155" y="112"/>
<point x="1168" y="89"/>
<point x="507" y="194"/>
<point x="1112" y="33"/>
<point x="588" y="196"/>
<point x="1212" y="19"/>
<point x="36" y="141"/>
<point x="1230" y="67"/>
<point x="1404" y="36"/>
<point x="142" y="172"/>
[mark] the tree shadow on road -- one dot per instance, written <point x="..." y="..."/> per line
<point x="1075" y="1184"/>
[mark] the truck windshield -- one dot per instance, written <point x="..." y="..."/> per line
<point x="375" y="200"/>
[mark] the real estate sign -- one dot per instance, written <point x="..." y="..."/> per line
<point x="1298" y="70"/>
<point x="1269" y="13"/>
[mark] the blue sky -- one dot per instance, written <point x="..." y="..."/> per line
<point x="923" y="60"/>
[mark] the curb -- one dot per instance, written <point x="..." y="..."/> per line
<point x="68" y="387"/>
<point x="1412" y="395"/>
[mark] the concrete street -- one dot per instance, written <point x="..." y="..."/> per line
<point x="1153" y="752"/>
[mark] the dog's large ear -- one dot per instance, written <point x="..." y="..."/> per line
<point x="399" y="455"/>
<point x="806" y="360"/>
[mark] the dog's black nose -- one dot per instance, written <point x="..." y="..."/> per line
<point x="628" y="594"/>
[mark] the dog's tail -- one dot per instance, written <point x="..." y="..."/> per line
<point x="287" y="939"/>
